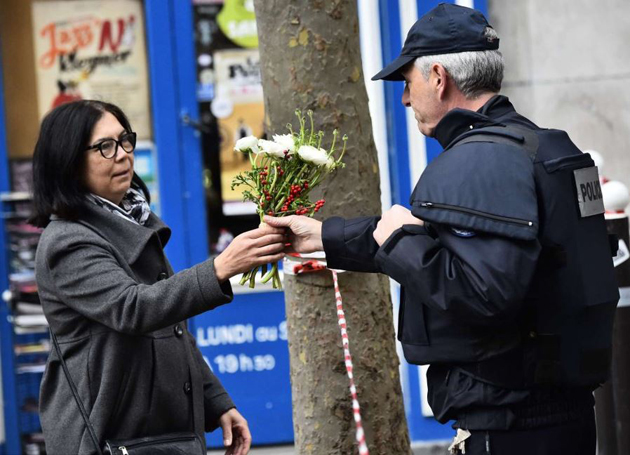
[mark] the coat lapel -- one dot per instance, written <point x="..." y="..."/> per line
<point x="129" y="238"/>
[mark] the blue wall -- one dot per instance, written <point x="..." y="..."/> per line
<point x="6" y="340"/>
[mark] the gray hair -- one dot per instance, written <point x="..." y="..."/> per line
<point x="474" y="73"/>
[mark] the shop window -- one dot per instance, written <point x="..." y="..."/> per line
<point x="229" y="92"/>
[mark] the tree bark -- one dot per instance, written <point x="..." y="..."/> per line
<point x="310" y="59"/>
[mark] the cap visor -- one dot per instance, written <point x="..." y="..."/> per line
<point x="392" y="72"/>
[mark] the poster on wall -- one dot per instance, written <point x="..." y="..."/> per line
<point x="229" y="91"/>
<point x="92" y="49"/>
<point x="239" y="108"/>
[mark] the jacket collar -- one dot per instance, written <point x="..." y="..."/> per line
<point x="459" y="121"/>
<point x="129" y="238"/>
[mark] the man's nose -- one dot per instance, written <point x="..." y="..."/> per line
<point x="405" y="98"/>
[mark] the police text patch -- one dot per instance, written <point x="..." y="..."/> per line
<point x="589" y="191"/>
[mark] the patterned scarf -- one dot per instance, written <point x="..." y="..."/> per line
<point x="133" y="207"/>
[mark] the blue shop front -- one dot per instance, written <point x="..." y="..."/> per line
<point x="187" y="74"/>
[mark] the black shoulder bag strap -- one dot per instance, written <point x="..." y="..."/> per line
<point x="75" y="393"/>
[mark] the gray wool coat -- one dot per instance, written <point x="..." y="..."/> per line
<point x="119" y="312"/>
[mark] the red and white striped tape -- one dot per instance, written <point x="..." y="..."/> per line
<point x="363" y="450"/>
<point x="308" y="265"/>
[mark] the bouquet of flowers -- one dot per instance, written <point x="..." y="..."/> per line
<point x="284" y="172"/>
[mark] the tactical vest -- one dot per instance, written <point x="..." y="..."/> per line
<point x="564" y="335"/>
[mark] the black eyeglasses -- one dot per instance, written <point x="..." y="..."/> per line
<point x="109" y="147"/>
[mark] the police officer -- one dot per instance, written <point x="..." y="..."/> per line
<point x="508" y="288"/>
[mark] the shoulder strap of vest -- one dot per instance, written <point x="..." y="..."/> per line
<point x="524" y="138"/>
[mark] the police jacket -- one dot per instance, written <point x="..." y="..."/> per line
<point x="507" y="252"/>
<point x="119" y="311"/>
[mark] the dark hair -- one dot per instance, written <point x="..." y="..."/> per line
<point x="59" y="158"/>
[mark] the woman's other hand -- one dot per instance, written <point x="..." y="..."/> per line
<point x="250" y="249"/>
<point x="236" y="435"/>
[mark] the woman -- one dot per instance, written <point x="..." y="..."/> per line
<point x="112" y="299"/>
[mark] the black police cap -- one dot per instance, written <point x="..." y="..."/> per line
<point x="446" y="29"/>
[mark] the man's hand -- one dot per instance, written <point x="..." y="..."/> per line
<point x="391" y="220"/>
<point x="236" y="435"/>
<point x="306" y="233"/>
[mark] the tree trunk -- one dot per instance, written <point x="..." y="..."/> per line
<point x="310" y="59"/>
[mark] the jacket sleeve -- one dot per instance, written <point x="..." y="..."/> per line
<point x="349" y="244"/>
<point x="483" y="277"/>
<point x="85" y="275"/>
<point x="216" y="400"/>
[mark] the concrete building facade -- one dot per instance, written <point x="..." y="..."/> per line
<point x="568" y="67"/>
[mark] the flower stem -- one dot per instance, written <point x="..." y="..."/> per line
<point x="272" y="272"/>
<point x="282" y="188"/>
<point x="275" y="177"/>
<point x="310" y="116"/>
<point x="332" y="147"/>
<point x="343" y="151"/>
<point x="252" y="278"/>
<point x="277" y="283"/>
<point x="319" y="141"/>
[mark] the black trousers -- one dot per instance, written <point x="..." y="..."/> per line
<point x="575" y="438"/>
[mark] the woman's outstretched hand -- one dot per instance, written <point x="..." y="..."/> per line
<point x="250" y="249"/>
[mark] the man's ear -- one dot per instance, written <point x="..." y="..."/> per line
<point x="439" y="78"/>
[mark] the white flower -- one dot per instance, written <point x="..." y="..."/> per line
<point x="313" y="155"/>
<point x="286" y="141"/>
<point x="271" y="148"/>
<point x="246" y="144"/>
<point x="330" y="163"/>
